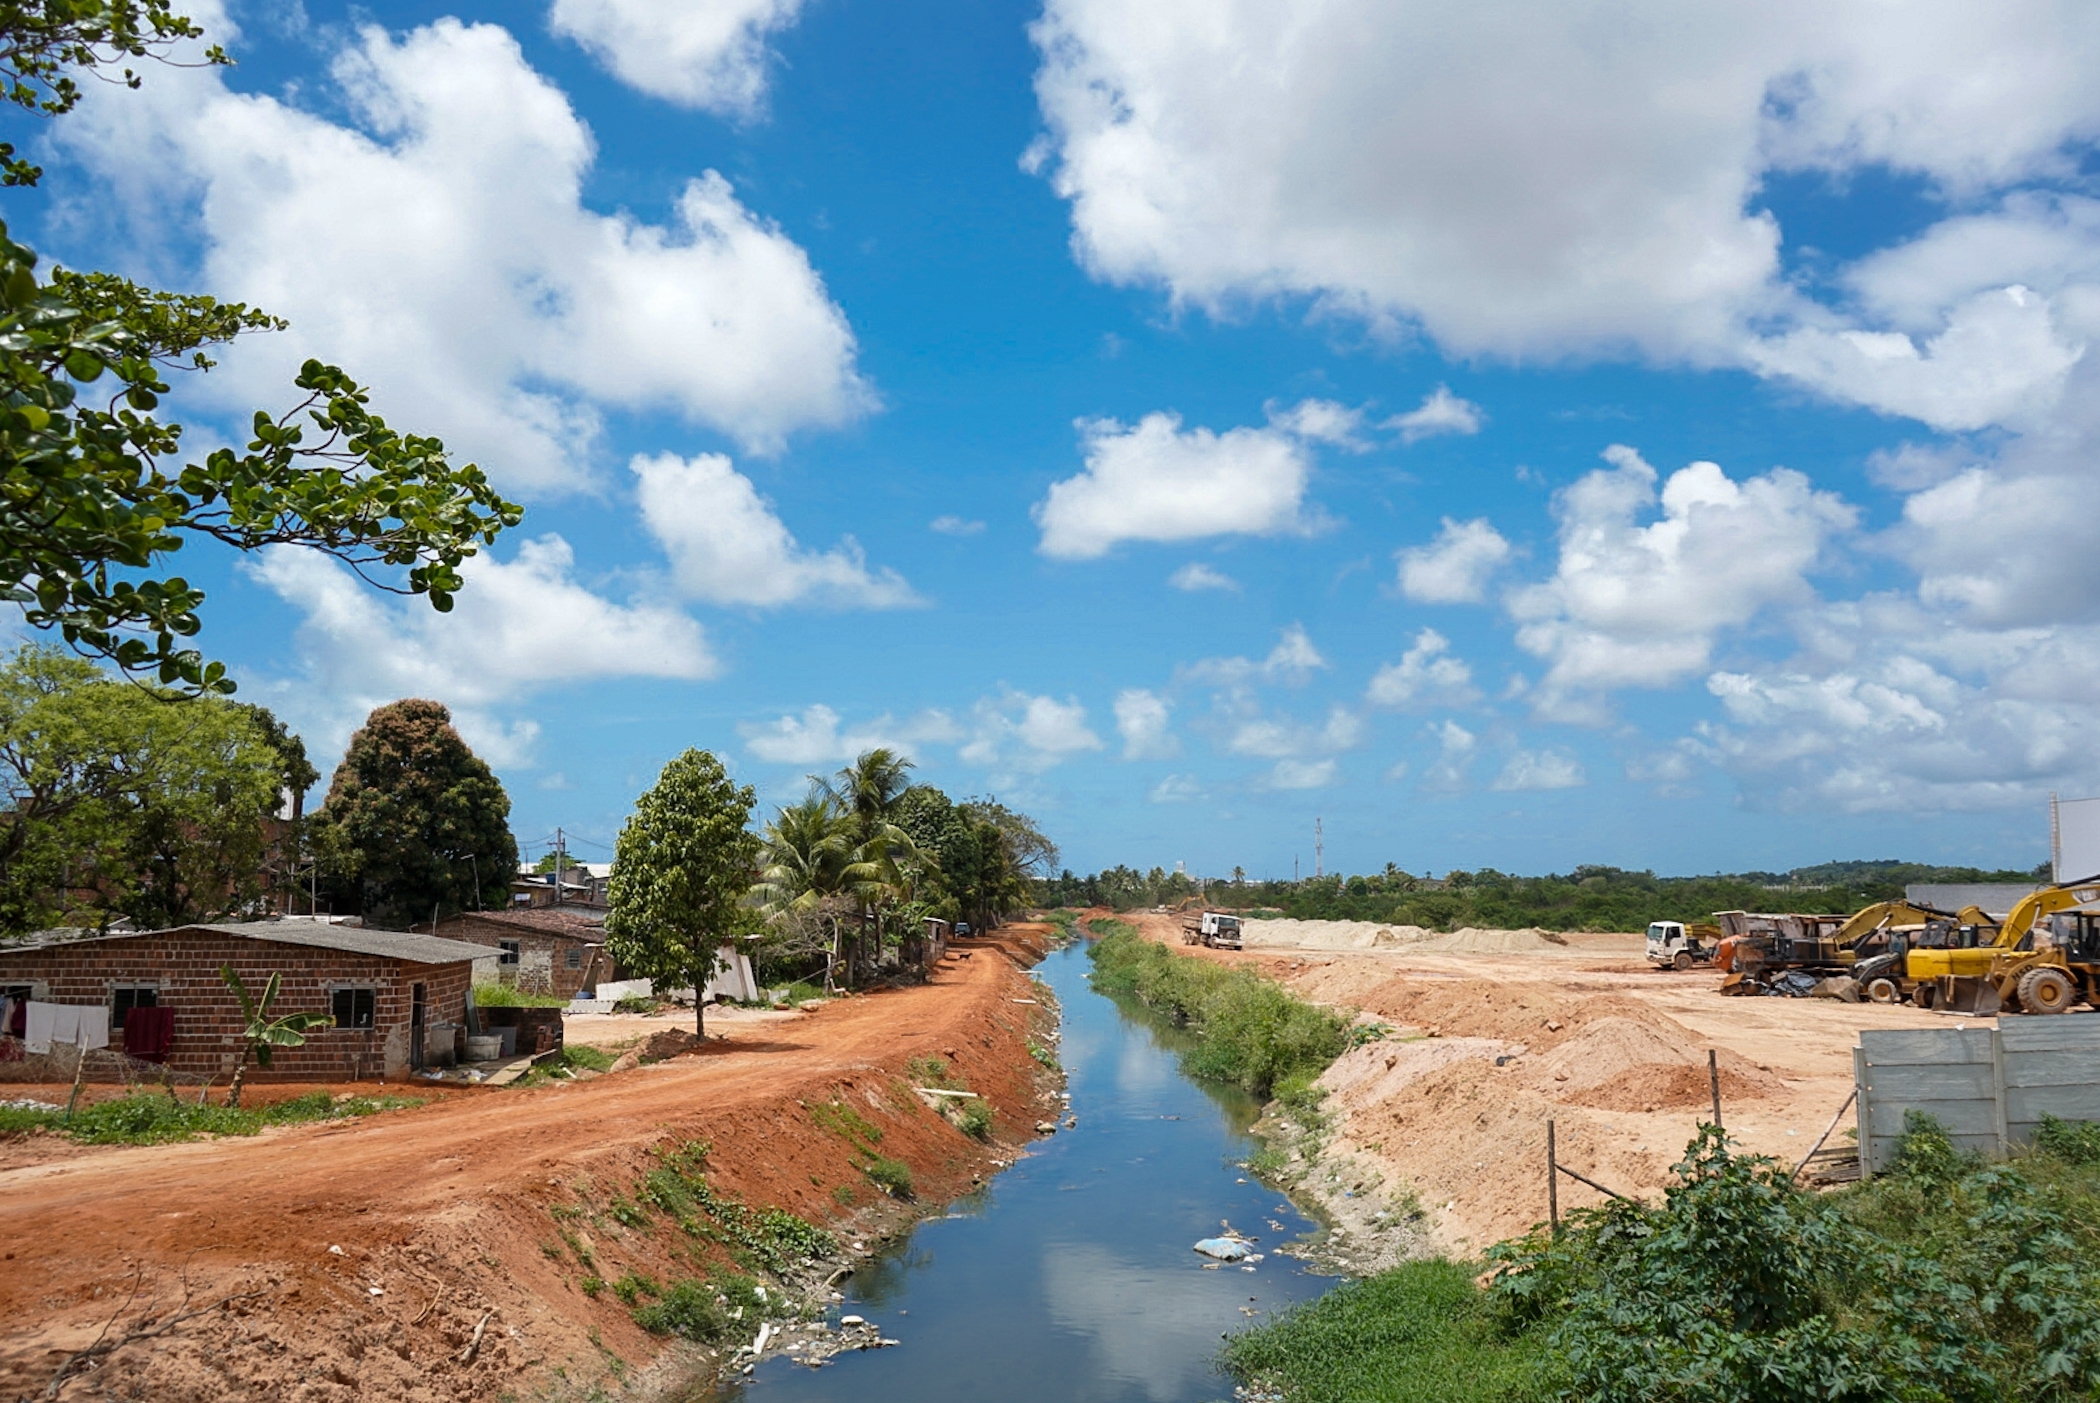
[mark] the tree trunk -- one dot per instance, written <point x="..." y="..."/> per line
<point x="703" y="964"/>
<point x="240" y="1070"/>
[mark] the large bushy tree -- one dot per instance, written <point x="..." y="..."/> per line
<point x="117" y="800"/>
<point x="682" y="870"/>
<point x="95" y="494"/>
<point x="415" y="823"/>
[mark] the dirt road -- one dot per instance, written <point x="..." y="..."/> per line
<point x="373" y="1248"/>
<point x="1587" y="1034"/>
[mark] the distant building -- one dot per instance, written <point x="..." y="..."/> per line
<point x="392" y="993"/>
<point x="540" y="950"/>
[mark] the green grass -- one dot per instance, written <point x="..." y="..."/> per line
<point x="975" y="1119"/>
<point x="892" y="1176"/>
<point x="705" y="1310"/>
<point x="769" y="1238"/>
<point x="1421" y="1333"/>
<point x="1250" y="1030"/>
<point x="153" y="1118"/>
<point x="591" y="1059"/>
<point x="510" y="996"/>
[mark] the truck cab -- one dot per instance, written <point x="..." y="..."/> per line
<point x="1213" y="928"/>
<point x="1670" y="944"/>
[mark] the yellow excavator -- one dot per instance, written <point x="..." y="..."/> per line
<point x="2006" y="972"/>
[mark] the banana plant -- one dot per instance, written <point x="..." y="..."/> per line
<point x="260" y="1032"/>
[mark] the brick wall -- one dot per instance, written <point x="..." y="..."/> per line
<point x="543" y="955"/>
<point x="183" y="965"/>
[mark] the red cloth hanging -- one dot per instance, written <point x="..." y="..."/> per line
<point x="149" y="1033"/>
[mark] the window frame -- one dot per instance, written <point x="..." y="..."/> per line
<point x="370" y="995"/>
<point x="510" y="952"/>
<point x="117" y="1010"/>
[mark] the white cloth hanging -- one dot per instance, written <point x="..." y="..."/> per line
<point x="57" y="1023"/>
<point x="94" y="1028"/>
<point x="36" y="1026"/>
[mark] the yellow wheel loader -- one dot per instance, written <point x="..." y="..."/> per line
<point x="2008" y="973"/>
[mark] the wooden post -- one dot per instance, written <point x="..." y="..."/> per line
<point x="1713" y="1075"/>
<point x="1552" y="1182"/>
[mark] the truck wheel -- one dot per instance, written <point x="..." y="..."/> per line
<point x="1925" y="994"/>
<point x="1884" y="990"/>
<point x="2046" y="990"/>
<point x="1682" y="962"/>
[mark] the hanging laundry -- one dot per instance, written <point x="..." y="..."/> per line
<point x="94" y="1028"/>
<point x="149" y="1033"/>
<point x="39" y="1024"/>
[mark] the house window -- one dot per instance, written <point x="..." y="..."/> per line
<point x="510" y="952"/>
<point x="574" y="959"/>
<point x="126" y="997"/>
<point x="353" y="1008"/>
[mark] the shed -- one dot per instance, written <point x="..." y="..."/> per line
<point x="390" y="992"/>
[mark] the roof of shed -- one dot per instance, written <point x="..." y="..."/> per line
<point x="323" y="935"/>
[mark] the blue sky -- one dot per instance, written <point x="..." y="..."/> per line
<point x="1542" y="435"/>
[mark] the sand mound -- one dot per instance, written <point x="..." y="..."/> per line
<point x="1659" y="1088"/>
<point x="1523" y="1011"/>
<point x="1380" y="1071"/>
<point x="1474" y="941"/>
<point x="1329" y="935"/>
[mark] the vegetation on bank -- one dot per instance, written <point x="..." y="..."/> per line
<point x="1250" y="1031"/>
<point x="154" y="1118"/>
<point x="1588" y="898"/>
<point x="1946" y="1281"/>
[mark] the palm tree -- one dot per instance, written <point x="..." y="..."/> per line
<point x="259" y="1031"/>
<point x="807" y="856"/>
<point x="887" y="864"/>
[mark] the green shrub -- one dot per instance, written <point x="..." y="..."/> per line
<point x="155" y="1118"/>
<point x="706" y="1311"/>
<point x="632" y="1287"/>
<point x="1421" y="1333"/>
<point x="975" y="1119"/>
<point x="1044" y="1055"/>
<point x="637" y="1003"/>
<point x="927" y="1071"/>
<point x="2072" y="1141"/>
<point x="772" y="1238"/>
<point x="511" y="996"/>
<point x="892" y="1176"/>
<point x="587" y="1059"/>
<point x="1250" y="1030"/>
<point x="590" y="1285"/>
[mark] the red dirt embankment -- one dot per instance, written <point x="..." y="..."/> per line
<point x="372" y="1249"/>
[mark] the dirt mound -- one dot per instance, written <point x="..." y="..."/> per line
<point x="1330" y="935"/>
<point x="1474" y="941"/>
<point x="657" y="1047"/>
<point x="1532" y="1012"/>
<point x="1666" y="1088"/>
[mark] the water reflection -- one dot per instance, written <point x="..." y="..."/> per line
<point x="1071" y="1276"/>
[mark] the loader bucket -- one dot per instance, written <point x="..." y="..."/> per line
<point x="1964" y="993"/>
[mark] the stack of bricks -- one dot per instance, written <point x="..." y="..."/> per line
<point x="183" y="966"/>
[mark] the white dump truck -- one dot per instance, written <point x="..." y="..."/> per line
<point x="1213" y="928"/>
<point x="1674" y="944"/>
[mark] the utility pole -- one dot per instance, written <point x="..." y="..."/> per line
<point x="1319" y="851"/>
<point x="561" y="858"/>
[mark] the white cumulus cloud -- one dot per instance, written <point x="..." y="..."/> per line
<point x="1197" y="576"/>
<point x="1539" y="769"/>
<point x="435" y="242"/>
<point x="816" y="737"/>
<point x="518" y="628"/>
<point x="1155" y="481"/>
<point x="1440" y="412"/>
<point x="1142" y="721"/>
<point x="1455" y="567"/>
<point x="1293" y="660"/>
<point x="1640" y="605"/>
<point x="1427" y="675"/>
<point x="1025" y="733"/>
<point x="709" y="54"/>
<point x="728" y="546"/>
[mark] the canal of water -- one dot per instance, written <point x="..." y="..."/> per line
<point x="1072" y="1276"/>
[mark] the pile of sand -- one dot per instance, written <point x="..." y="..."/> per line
<point x="1329" y="935"/>
<point x="1474" y="941"/>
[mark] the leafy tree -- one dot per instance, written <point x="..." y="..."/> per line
<point x="94" y="497"/>
<point x="682" y="869"/>
<point x="117" y="799"/>
<point x="415" y="823"/>
<point x="810" y="877"/>
<point x="260" y="1032"/>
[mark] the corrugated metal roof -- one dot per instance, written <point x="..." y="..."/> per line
<point x="322" y="935"/>
<point x="1996" y="898"/>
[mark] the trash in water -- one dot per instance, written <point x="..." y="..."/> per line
<point x="1225" y="1249"/>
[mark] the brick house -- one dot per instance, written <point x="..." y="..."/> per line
<point x="381" y="986"/>
<point x="544" y="950"/>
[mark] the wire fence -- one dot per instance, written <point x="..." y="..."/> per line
<point x="66" y="1065"/>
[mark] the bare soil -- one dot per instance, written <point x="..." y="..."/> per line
<point x="1586" y="1034"/>
<point x="362" y="1255"/>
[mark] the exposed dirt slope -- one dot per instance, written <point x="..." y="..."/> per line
<point x="1586" y="1034"/>
<point x="441" y="1214"/>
